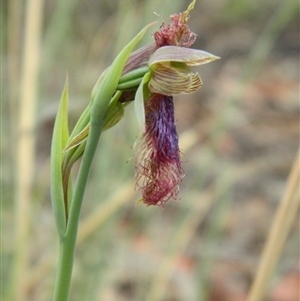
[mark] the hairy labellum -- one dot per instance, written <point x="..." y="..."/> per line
<point x="157" y="163"/>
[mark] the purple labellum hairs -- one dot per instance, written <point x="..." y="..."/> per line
<point x="157" y="163"/>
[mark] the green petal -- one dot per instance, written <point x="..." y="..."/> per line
<point x="139" y="106"/>
<point x="168" y="80"/>
<point x="191" y="57"/>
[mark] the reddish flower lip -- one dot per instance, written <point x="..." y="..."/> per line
<point x="157" y="162"/>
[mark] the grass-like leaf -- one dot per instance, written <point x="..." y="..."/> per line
<point x="59" y="140"/>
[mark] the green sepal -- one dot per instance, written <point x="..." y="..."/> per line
<point x="96" y="86"/>
<point x="114" y="116"/>
<point x="130" y="85"/>
<point x="142" y="93"/>
<point x="59" y="141"/>
<point x="109" y="84"/>
<point x="132" y="79"/>
<point x="114" y="112"/>
<point x="77" y="140"/>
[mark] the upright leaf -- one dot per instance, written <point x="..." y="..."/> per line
<point x="59" y="140"/>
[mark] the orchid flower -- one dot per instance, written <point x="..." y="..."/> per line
<point x="157" y="161"/>
<point x="151" y="77"/>
<point x="158" y="168"/>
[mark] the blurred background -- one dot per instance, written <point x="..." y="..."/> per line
<point x="239" y="135"/>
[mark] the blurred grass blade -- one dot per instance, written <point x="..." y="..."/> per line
<point x="281" y="226"/>
<point x="59" y="140"/>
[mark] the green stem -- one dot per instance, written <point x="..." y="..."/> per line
<point x="65" y="266"/>
<point x="67" y="244"/>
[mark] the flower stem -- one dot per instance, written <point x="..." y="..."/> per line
<point x="67" y="243"/>
<point x="64" y="272"/>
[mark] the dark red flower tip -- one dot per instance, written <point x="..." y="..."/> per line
<point x="157" y="162"/>
<point x="177" y="33"/>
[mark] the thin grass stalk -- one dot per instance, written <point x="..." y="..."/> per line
<point x="26" y="142"/>
<point x="14" y="27"/>
<point x="280" y="229"/>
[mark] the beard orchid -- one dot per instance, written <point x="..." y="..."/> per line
<point x="151" y="77"/>
<point x="158" y="168"/>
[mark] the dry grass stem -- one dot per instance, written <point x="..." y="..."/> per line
<point x="281" y="226"/>
<point x="26" y="141"/>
